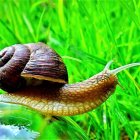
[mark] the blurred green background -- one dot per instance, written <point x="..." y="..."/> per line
<point x="87" y="34"/>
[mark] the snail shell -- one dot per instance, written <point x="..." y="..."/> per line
<point x="34" y="75"/>
<point x="28" y="64"/>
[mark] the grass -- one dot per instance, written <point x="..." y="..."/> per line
<point x="87" y="34"/>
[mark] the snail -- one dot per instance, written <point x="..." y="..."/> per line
<point x="35" y="76"/>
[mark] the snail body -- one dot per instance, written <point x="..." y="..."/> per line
<point x="37" y="77"/>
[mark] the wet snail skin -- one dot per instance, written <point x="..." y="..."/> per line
<point x="35" y="76"/>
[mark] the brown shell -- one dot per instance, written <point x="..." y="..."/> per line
<point x="45" y="64"/>
<point x="21" y="65"/>
<point x="12" y="62"/>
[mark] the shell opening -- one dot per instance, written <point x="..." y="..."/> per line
<point x="117" y="70"/>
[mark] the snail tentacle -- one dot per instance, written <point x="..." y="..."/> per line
<point x="117" y="70"/>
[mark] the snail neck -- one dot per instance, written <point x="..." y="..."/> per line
<point x="87" y="95"/>
<point x="94" y="89"/>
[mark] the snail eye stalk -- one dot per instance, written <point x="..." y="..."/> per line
<point x="117" y="70"/>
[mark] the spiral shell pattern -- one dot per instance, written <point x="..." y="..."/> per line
<point x="18" y="63"/>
